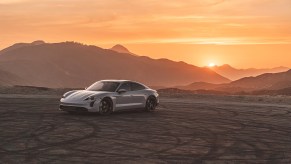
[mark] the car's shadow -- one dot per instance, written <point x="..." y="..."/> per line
<point x="116" y="113"/>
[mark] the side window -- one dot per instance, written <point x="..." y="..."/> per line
<point x="136" y="87"/>
<point x="125" y="86"/>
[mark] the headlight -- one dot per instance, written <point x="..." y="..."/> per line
<point x="67" y="94"/>
<point x="90" y="98"/>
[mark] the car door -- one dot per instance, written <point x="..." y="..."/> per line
<point x="123" y="100"/>
<point x="138" y="95"/>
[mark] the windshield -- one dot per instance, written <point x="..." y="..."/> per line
<point x="108" y="86"/>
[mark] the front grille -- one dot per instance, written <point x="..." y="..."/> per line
<point x="73" y="108"/>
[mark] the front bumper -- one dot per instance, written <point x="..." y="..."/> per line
<point x="72" y="108"/>
<point x="86" y="106"/>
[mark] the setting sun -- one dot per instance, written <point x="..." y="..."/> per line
<point x="211" y="64"/>
<point x="242" y="33"/>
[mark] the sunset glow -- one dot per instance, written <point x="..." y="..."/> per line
<point x="211" y="64"/>
<point x="243" y="33"/>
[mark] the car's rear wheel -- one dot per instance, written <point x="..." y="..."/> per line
<point x="151" y="104"/>
<point x="105" y="107"/>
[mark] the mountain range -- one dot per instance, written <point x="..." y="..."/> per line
<point x="267" y="81"/>
<point x="71" y="65"/>
<point x="75" y="65"/>
<point x="235" y="74"/>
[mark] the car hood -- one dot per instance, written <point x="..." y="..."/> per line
<point x="83" y="94"/>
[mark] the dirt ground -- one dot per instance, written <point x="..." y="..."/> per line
<point x="184" y="129"/>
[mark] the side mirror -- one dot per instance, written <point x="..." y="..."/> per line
<point x="121" y="91"/>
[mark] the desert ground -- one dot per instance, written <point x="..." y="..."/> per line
<point x="186" y="128"/>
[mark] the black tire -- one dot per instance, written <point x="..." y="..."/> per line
<point x="151" y="104"/>
<point x="106" y="106"/>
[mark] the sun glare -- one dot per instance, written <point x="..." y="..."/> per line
<point x="211" y="64"/>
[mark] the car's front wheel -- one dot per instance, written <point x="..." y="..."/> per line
<point x="105" y="107"/>
<point x="151" y="104"/>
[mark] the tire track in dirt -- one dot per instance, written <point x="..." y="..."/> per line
<point x="181" y="131"/>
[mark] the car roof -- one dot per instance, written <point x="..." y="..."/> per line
<point x="122" y="81"/>
<point x="118" y="80"/>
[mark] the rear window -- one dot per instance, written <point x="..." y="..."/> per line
<point x="136" y="86"/>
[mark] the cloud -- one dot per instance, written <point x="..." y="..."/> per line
<point x="150" y="20"/>
<point x="11" y="1"/>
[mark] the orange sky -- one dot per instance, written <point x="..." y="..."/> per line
<point x="243" y="33"/>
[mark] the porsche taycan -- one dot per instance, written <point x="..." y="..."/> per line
<point x="107" y="96"/>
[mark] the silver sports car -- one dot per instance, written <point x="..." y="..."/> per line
<point x="107" y="96"/>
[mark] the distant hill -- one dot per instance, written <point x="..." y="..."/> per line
<point x="7" y="78"/>
<point x="21" y="45"/>
<point x="30" y="90"/>
<point x="176" y="91"/>
<point x="235" y="74"/>
<point x="74" y="65"/>
<point x="120" y="48"/>
<point x="199" y="85"/>
<point x="268" y="81"/>
<point x="284" y="91"/>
